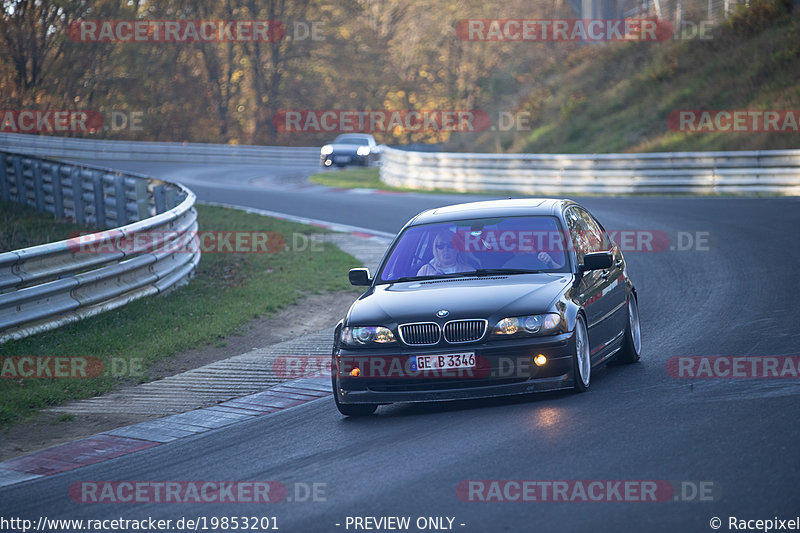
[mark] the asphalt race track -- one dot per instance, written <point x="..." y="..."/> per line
<point x="734" y="294"/>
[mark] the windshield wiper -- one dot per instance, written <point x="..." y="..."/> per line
<point x="479" y="272"/>
<point x="435" y="276"/>
<point x="495" y="271"/>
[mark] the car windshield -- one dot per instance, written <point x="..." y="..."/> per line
<point x="351" y="139"/>
<point x="507" y="245"/>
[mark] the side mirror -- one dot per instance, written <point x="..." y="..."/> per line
<point x="597" y="261"/>
<point x="359" y="276"/>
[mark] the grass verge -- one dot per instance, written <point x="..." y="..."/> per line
<point x="618" y="97"/>
<point x="22" y="226"/>
<point x="369" y="178"/>
<point x="354" y="178"/>
<point x="227" y="291"/>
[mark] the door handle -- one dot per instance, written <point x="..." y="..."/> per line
<point x="618" y="263"/>
<point x="605" y="274"/>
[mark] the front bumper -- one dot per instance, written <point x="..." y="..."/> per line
<point x="343" y="159"/>
<point x="503" y="368"/>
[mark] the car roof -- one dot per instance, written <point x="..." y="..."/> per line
<point x="492" y="208"/>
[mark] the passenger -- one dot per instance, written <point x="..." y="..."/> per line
<point x="446" y="260"/>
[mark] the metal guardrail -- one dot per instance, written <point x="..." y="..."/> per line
<point x="46" y="286"/>
<point x="744" y="172"/>
<point x="91" y="149"/>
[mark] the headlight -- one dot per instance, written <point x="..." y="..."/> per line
<point x="327" y="149"/>
<point x="367" y="335"/>
<point x="519" y="326"/>
<point x="363" y="150"/>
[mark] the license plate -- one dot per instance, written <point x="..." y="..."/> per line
<point x="443" y="361"/>
<point x="341" y="159"/>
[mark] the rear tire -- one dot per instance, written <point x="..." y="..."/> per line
<point x="632" y="341"/>
<point x="581" y="361"/>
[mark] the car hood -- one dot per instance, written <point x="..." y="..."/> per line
<point x="493" y="297"/>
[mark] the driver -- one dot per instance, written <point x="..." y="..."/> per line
<point x="445" y="258"/>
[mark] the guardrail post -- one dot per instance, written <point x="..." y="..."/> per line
<point x="77" y="196"/>
<point x="58" y="191"/>
<point x="122" y="201"/>
<point x="714" y="181"/>
<point x="99" y="200"/>
<point x="160" y="199"/>
<point x="4" y="177"/>
<point x="142" y="205"/>
<point x="38" y="191"/>
<point x="19" y="179"/>
<point x="170" y="199"/>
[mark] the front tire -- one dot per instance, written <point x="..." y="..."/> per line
<point x="582" y="359"/>
<point x="355" y="409"/>
<point x="632" y="341"/>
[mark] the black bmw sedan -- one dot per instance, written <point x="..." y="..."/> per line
<point x="486" y="299"/>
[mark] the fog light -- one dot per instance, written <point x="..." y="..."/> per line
<point x="540" y="360"/>
<point x="355" y="372"/>
<point x="328" y="162"/>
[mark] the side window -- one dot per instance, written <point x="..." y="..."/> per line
<point x="578" y="233"/>
<point x="598" y="239"/>
<point x="586" y="234"/>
